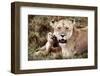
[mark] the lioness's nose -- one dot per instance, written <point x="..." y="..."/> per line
<point x="62" y="35"/>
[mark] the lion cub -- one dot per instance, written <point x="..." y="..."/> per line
<point x="55" y="49"/>
<point x="51" y="48"/>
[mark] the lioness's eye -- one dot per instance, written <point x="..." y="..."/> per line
<point x="59" y="28"/>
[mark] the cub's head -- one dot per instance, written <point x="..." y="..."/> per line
<point x="50" y="37"/>
<point x="63" y="29"/>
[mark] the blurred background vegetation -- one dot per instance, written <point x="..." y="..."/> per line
<point x="38" y="27"/>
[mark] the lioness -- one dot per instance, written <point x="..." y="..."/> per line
<point x="70" y="39"/>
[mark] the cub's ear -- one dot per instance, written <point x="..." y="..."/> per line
<point x="52" y="23"/>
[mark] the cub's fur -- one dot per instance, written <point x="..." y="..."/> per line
<point x="51" y="47"/>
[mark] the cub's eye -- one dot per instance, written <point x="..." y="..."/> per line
<point x="59" y="28"/>
<point x="67" y="28"/>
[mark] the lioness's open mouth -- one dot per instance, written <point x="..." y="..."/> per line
<point x="63" y="41"/>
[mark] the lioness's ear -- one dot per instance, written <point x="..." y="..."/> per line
<point x="73" y="21"/>
<point x="52" y="23"/>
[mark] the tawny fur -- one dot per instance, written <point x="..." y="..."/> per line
<point x="76" y="38"/>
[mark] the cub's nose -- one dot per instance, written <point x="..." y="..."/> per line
<point x="62" y="35"/>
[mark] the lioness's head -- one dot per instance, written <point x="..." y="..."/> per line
<point x="63" y="29"/>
